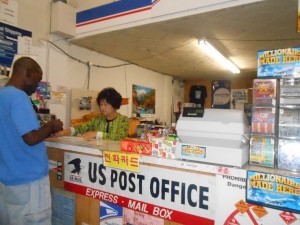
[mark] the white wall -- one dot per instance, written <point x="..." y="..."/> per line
<point x="60" y="69"/>
<point x="83" y="5"/>
<point x="34" y="16"/>
<point x="73" y="74"/>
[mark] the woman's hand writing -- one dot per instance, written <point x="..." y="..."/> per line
<point x="89" y="134"/>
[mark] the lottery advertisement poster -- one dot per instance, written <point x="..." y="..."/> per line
<point x="279" y="63"/>
<point x="233" y="209"/>
<point x="275" y="191"/>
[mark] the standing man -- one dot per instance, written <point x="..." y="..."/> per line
<point x="24" y="183"/>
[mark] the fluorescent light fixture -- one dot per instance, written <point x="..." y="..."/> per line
<point x="215" y="54"/>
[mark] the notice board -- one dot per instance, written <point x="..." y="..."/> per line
<point x="9" y="42"/>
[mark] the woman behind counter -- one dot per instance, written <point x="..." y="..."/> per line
<point x="109" y="125"/>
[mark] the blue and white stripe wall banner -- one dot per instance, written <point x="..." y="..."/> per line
<point x="127" y="13"/>
<point x="112" y="10"/>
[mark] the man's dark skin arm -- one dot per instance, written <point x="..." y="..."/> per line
<point x="36" y="136"/>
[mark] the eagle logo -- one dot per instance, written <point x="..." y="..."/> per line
<point x="76" y="163"/>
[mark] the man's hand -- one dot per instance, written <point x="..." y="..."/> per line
<point x="56" y="125"/>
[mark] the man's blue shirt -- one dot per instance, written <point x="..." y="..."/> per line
<point x="19" y="163"/>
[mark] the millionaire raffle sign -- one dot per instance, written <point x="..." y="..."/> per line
<point x="279" y="63"/>
<point x="173" y="195"/>
<point x="232" y="208"/>
<point x="276" y="191"/>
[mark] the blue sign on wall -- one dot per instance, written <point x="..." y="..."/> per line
<point x="9" y="42"/>
<point x="279" y="63"/>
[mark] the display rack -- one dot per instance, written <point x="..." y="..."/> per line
<point x="289" y="124"/>
<point x="275" y="129"/>
<point x="263" y="125"/>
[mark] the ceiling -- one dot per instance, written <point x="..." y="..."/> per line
<point x="170" y="47"/>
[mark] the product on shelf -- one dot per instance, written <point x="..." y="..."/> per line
<point x="263" y="120"/>
<point x="263" y="125"/>
<point x="262" y="151"/>
<point x="289" y="154"/>
<point x="275" y="134"/>
<point x="264" y="92"/>
<point x="136" y="145"/>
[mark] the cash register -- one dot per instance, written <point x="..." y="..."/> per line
<point x="218" y="136"/>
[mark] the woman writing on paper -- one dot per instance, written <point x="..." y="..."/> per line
<point x="109" y="125"/>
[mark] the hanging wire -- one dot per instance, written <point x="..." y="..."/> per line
<point x="87" y="62"/>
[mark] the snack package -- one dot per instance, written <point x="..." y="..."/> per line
<point x="163" y="148"/>
<point x="136" y="146"/>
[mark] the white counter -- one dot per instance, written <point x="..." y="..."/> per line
<point x="96" y="147"/>
<point x="226" y="185"/>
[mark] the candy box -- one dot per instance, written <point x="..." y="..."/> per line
<point x="136" y="146"/>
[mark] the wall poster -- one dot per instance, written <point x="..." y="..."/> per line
<point x="221" y="94"/>
<point x="143" y="101"/>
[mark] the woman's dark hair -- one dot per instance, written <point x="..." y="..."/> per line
<point x="111" y="96"/>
